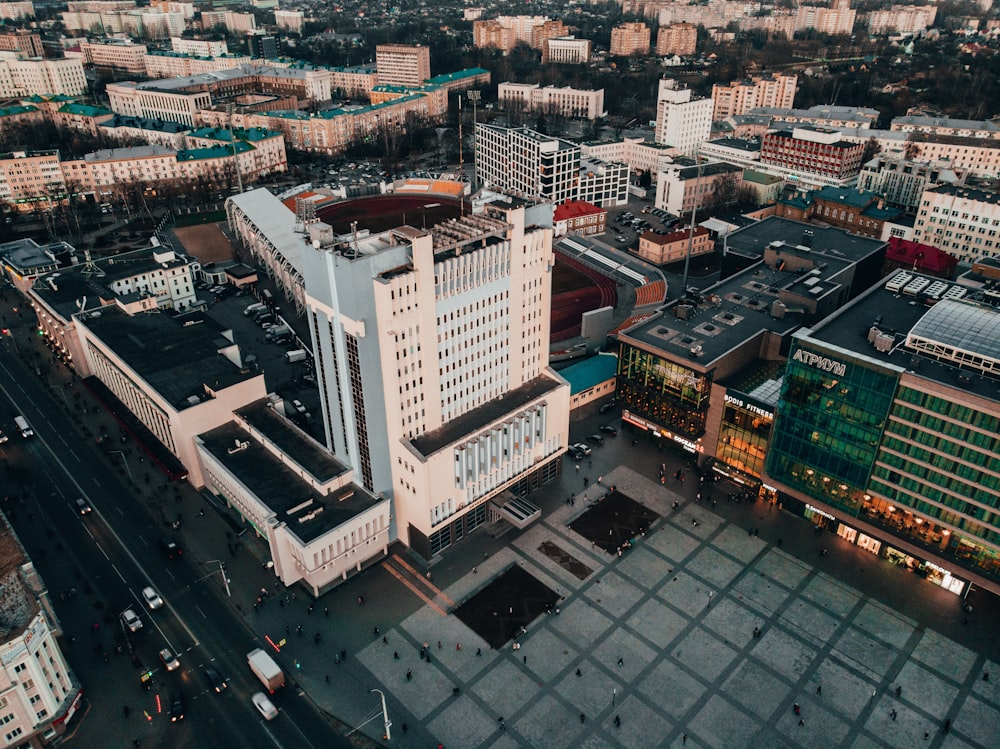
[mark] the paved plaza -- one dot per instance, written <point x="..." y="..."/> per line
<point x="699" y="630"/>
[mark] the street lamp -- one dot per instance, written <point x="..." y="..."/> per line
<point x="690" y="243"/>
<point x="222" y="571"/>
<point x="124" y="463"/>
<point x="385" y="714"/>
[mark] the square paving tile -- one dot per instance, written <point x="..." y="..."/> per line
<point x="704" y="653"/>
<point x="809" y="621"/>
<point x="614" y="594"/>
<point x="758" y="689"/>
<point x="580" y="622"/>
<point x="724" y="725"/>
<point x="844" y="691"/>
<point x="462" y="723"/>
<point x="697" y="520"/>
<point x="934" y="694"/>
<point x="864" y="653"/>
<point x="657" y="622"/>
<point x="643" y="567"/>
<point x="544" y="654"/>
<point x="590" y="693"/>
<point x="641" y="726"/>
<point x="906" y="731"/>
<point x="760" y="591"/>
<point x="820" y="727"/>
<point x="944" y="655"/>
<point x="634" y="653"/>
<point x="506" y="687"/>
<point x="686" y="593"/>
<point x="714" y="567"/>
<point x="549" y="723"/>
<point x="979" y="721"/>
<point x="786" y="654"/>
<point x="424" y="692"/>
<point x="672" y="688"/>
<point x="673" y="543"/>
<point x="830" y="594"/>
<point x="734" y="541"/>
<point x="732" y="621"/>
<point x="782" y="568"/>
<point x="884" y="623"/>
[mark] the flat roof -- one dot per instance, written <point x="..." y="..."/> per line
<point x="178" y="356"/>
<point x="293" y="501"/>
<point x="319" y="462"/>
<point x="479" y="418"/>
<point x="909" y="325"/>
<point x="824" y="240"/>
<point x="589" y="372"/>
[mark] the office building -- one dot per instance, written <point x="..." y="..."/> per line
<point x="886" y="431"/>
<point x="115" y="56"/>
<point x="630" y="39"/>
<point x="261" y="46"/>
<point x="200" y="47"/>
<point x="961" y="221"/>
<point x="17" y="9"/>
<point x="901" y="180"/>
<point x="566" y="50"/>
<point x="554" y="100"/>
<point x="684" y="186"/>
<point x="402" y="64"/>
<point x="813" y="155"/>
<point x="23" y="41"/>
<point x="661" y="249"/>
<point x="677" y="39"/>
<point x="740" y="97"/>
<point x="958" y="128"/>
<point x="549" y="29"/>
<point x="290" y="20"/>
<point x="22" y="78"/>
<point x="682" y="121"/>
<point x="504" y="32"/>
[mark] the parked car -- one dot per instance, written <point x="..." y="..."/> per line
<point x="605" y="407"/>
<point x="582" y="449"/>
<point x="596" y="439"/>
<point x="177" y="709"/>
<point x="152" y="598"/>
<point x="609" y="430"/>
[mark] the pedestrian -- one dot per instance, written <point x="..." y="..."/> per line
<point x="328" y="678"/>
<point x="479" y="652"/>
<point x="361" y="600"/>
<point x="475" y="570"/>
<point x="892" y="714"/>
<point x="458" y="646"/>
<point x="986" y="676"/>
<point x="583" y="718"/>
<point x="618" y="722"/>
<point x="384" y="640"/>
<point x="343" y="655"/>
<point x="395" y="655"/>
<point x="405" y="727"/>
<point x="947" y="725"/>
<point x="503" y="726"/>
<point x="578" y="672"/>
<point x="525" y="660"/>
<point x="409" y="674"/>
<point x="801" y="722"/>
<point x="326" y="611"/>
<point x="376" y="631"/>
<point x="819" y="689"/>
<point x="621" y="661"/>
<point x="899" y="691"/>
<point x="439" y="644"/>
<point x="796" y="708"/>
<point x="684" y="739"/>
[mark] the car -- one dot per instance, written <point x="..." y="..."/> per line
<point x="131" y="620"/>
<point x="609" y="430"/>
<point x="298" y="406"/>
<point x="573" y="453"/>
<point x="171" y="548"/>
<point x="619" y="238"/>
<point x="176" y="710"/>
<point x="83" y="506"/>
<point x="264" y="706"/>
<point x="605" y="407"/>
<point x="582" y="449"/>
<point x="595" y="439"/>
<point x="152" y="598"/>
<point x="3" y="437"/>
<point x="215" y="680"/>
<point x="169" y="659"/>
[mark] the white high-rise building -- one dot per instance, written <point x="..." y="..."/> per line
<point x="681" y="120"/>
<point x="37" y="76"/>
<point x="431" y="350"/>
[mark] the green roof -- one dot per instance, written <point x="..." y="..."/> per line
<point x="85" y="109"/>
<point x="214" y="152"/>
<point x="590" y="372"/>
<point x="39" y="98"/>
<point x="457" y="75"/>
<point x="252" y="134"/>
<point x="17" y="109"/>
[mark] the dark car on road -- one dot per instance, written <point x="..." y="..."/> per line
<point x="595" y="439"/>
<point x="171" y="548"/>
<point x="609" y="430"/>
<point x="605" y="407"/>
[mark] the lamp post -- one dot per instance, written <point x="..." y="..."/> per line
<point x="690" y="244"/>
<point x="222" y="571"/>
<point x="385" y="715"/>
<point x="124" y="463"/>
<point x="474" y="97"/>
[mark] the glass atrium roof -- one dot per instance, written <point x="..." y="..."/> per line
<point x="963" y="333"/>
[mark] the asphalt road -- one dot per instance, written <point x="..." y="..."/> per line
<point x="95" y="567"/>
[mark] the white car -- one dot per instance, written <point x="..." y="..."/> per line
<point x="298" y="406"/>
<point x="169" y="659"/>
<point x="152" y="598"/>
<point x="264" y="706"/>
<point x="131" y="620"/>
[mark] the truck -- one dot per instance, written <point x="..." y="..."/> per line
<point x="269" y="672"/>
<point x="295" y="355"/>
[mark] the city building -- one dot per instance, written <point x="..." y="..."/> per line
<point x="743" y="96"/>
<point x="24" y="42"/>
<point x="988" y="129"/>
<point x="40" y="693"/>
<point x="199" y="47"/>
<point x="235" y="23"/>
<point x="403" y="64"/>
<point x="504" y="32"/>
<point x="15" y="10"/>
<point x="836" y="19"/>
<point x="639" y="154"/>
<point x="31" y="180"/>
<point x="677" y="39"/>
<point x="20" y="78"/>
<point x="289" y="20"/>
<point x="886" y="431"/>
<point x="661" y="249"/>
<point x="549" y="29"/>
<point x="682" y="121"/>
<point x="915" y="257"/>
<point x="115" y="56"/>
<point x="579" y="217"/>
<point x="630" y="39"/>
<point x="555" y="100"/>
<point x="566" y="50"/>
<point x="901" y="19"/>
<point x="179" y="65"/>
<point x="901" y="180"/>
<point x="353" y="82"/>
<point x="856" y="211"/>
<point x="961" y="221"/>
<point x="529" y="164"/>
<point x="822" y="115"/>
<point x="261" y="45"/>
<point x="681" y="188"/>
<point x="813" y="155"/>
<point x="431" y="351"/>
<point x="671" y="365"/>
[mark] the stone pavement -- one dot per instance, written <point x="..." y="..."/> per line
<point x="663" y="638"/>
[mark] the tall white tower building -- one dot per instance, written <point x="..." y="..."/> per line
<point x="681" y="120"/>
<point x="432" y="358"/>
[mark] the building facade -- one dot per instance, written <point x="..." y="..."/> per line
<point x="961" y="221"/>
<point x="682" y="121"/>
<point x="563" y="101"/>
<point x="809" y="151"/>
<point x="902" y="181"/>
<point x="901" y="19"/>
<point x="23" y="41"/>
<point x="838" y="18"/>
<point x="682" y="189"/>
<point x="36" y="76"/>
<point x="566" y="50"/>
<point x="630" y="39"/>
<point x="740" y="97"/>
<point x="402" y="64"/>
<point x="677" y="39"/>
<point x="661" y="249"/>
<point x="579" y="217"/>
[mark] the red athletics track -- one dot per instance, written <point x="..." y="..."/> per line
<point x="576" y="289"/>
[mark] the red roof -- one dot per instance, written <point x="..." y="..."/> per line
<point x="575" y="209"/>
<point x="919" y="256"/>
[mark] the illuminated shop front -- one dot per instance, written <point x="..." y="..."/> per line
<point x="744" y="435"/>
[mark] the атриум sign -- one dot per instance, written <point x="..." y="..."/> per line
<point x="820" y="362"/>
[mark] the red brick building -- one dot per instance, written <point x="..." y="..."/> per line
<point x="923" y="258"/>
<point x="812" y="150"/>
<point x="579" y="217"/>
<point x="661" y="249"/>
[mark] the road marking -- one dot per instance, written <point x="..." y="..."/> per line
<point x="420" y="594"/>
<point x="426" y="581"/>
<point x="198" y="609"/>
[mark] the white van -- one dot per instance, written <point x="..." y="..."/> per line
<point x="254" y="308"/>
<point x="22" y="424"/>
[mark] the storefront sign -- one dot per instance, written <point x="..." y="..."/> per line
<point x="818" y="511"/>
<point x="693" y="447"/>
<point x="820" y="362"/>
<point x="749" y="407"/>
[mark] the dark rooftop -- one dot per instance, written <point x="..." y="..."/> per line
<point x="429" y="443"/>
<point x="295" y="502"/>
<point x="310" y="455"/>
<point x="824" y="240"/>
<point x="178" y="356"/>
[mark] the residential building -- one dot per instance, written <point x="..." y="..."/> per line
<point x="767" y="187"/>
<point x="353" y="82"/>
<point x="180" y="65"/>
<point x="886" y="431"/>
<point x="682" y="121"/>
<point x="461" y="81"/>
<point x="901" y="19"/>
<point x="901" y="181"/>
<point x="677" y="39"/>
<point x="40" y="693"/>
<point x="740" y="97"/>
<point x="566" y="50"/>
<point x="855" y="211"/>
<point x="200" y="47"/>
<point x="579" y="217"/>
<point x="261" y="45"/>
<point x="20" y="78"/>
<point x="915" y="257"/>
<point x="146" y="100"/>
<point x="289" y="20"/>
<point x="630" y="39"/>
<point x="961" y="221"/>
<point x="836" y="19"/>
<point x="822" y="115"/>
<point x="549" y="29"/>
<point x="527" y="163"/>
<point x="153" y="132"/>
<point x="23" y="41"/>
<point x="236" y="23"/>
<point x="988" y="129"/>
<point x="115" y="55"/>
<point x="504" y="32"/>
<point x="680" y="189"/>
<point x="737" y="151"/>
<point x="31" y="180"/>
<point x="661" y="249"/>
<point x="812" y="153"/>
<point x="402" y="64"/>
<point x="555" y="100"/>
<point x="639" y="154"/>
<point x="15" y="10"/>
